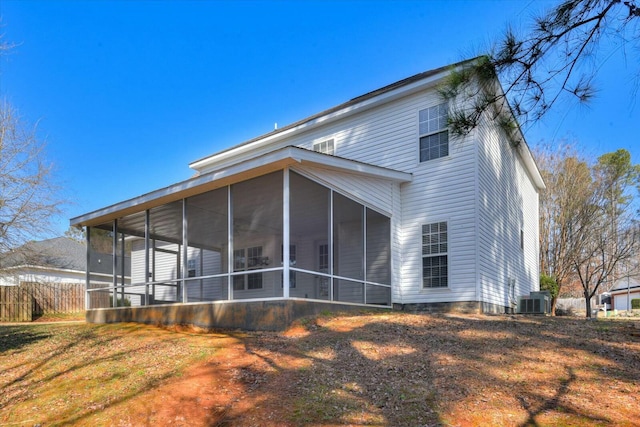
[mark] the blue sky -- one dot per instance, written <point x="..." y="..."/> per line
<point x="127" y="93"/>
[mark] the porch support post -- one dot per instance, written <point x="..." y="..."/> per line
<point x="122" y="266"/>
<point x="114" y="256"/>
<point x="286" y="256"/>
<point x="331" y="296"/>
<point x="229" y="243"/>
<point x="201" y="274"/>
<point x="364" y="252"/>
<point x="185" y="248"/>
<point x="87" y="286"/>
<point x="146" y="256"/>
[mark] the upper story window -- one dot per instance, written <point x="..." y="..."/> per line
<point x="434" y="135"/>
<point x="435" y="262"/>
<point x="326" y="147"/>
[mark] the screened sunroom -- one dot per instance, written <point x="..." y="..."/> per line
<point x="266" y="229"/>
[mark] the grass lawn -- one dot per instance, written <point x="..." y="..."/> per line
<point x="369" y="369"/>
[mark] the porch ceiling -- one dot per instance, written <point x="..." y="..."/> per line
<point x="261" y="165"/>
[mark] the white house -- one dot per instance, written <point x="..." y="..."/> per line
<point x="372" y="202"/>
<point x="624" y="292"/>
<point x="57" y="260"/>
<point x="46" y="276"/>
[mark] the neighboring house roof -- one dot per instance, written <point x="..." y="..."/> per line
<point x="59" y="252"/>
<point x="623" y="285"/>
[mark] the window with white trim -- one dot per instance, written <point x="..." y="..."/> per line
<point x="253" y="260"/>
<point x="434" y="135"/>
<point x="435" y="269"/>
<point x="326" y="147"/>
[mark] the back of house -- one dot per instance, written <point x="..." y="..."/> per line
<point x="373" y="202"/>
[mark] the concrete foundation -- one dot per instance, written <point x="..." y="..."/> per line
<point x="469" y="307"/>
<point x="264" y="315"/>
<point x="251" y="316"/>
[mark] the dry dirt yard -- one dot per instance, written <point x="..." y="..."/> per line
<point x="392" y="369"/>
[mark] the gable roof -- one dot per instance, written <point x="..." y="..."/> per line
<point x="224" y="167"/>
<point x="358" y="104"/>
<point x="368" y="100"/>
<point x="59" y="252"/>
<point x="256" y="166"/>
<point x="623" y="284"/>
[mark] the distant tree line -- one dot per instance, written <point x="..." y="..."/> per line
<point x="589" y="219"/>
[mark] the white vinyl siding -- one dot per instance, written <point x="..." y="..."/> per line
<point x="207" y="263"/>
<point x="377" y="193"/>
<point x="508" y="218"/>
<point x="440" y="189"/>
<point x="450" y="188"/>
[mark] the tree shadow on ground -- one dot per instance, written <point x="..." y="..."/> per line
<point x="73" y="363"/>
<point x="432" y="370"/>
<point x="389" y="369"/>
<point x="16" y="337"/>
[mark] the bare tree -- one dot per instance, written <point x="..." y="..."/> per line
<point x="606" y="231"/>
<point x="602" y="249"/>
<point x="557" y="57"/>
<point x="588" y="226"/>
<point x="28" y="194"/>
<point x="568" y="181"/>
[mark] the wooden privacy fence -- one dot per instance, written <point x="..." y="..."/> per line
<point x="576" y="304"/>
<point x="15" y="304"/>
<point x="27" y="301"/>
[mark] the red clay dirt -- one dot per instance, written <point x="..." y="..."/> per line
<point x="400" y="369"/>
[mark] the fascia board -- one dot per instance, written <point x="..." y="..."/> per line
<point x="346" y="165"/>
<point x="519" y="140"/>
<point x="530" y="164"/>
<point x="171" y="193"/>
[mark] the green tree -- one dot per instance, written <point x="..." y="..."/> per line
<point x="76" y="234"/>
<point x="557" y="57"/>
<point x="548" y="283"/>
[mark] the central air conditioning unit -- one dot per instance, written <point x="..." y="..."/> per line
<point x="535" y="303"/>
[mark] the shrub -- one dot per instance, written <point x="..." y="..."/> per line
<point x="565" y="311"/>
<point x="635" y="304"/>
<point x="548" y="283"/>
